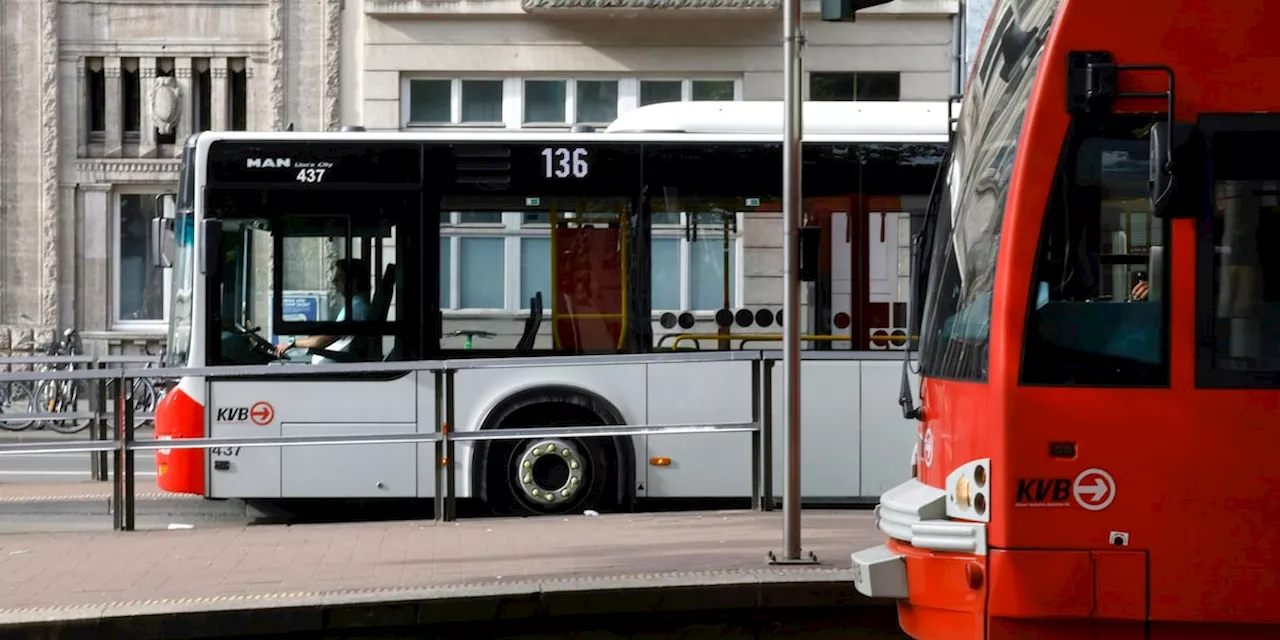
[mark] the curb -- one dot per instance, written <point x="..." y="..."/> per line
<point x="307" y="611"/>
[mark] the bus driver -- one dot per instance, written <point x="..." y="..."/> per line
<point x="351" y="280"/>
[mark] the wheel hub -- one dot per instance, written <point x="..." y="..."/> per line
<point x="549" y="471"/>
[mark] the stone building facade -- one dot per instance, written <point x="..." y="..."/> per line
<point x="96" y="97"/>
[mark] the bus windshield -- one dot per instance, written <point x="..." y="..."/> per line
<point x="179" y="339"/>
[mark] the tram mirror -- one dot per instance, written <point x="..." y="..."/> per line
<point x="1172" y="172"/>
<point x="210" y="237"/>
<point x="810" y="243"/>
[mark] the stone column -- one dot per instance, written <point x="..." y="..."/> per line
<point x="113" y="118"/>
<point x="259" y="98"/>
<point x="146" y="123"/>
<point x="218" y="75"/>
<point x="82" y="109"/>
<point x="96" y="304"/>
<point x="69" y="261"/>
<point x="182" y="69"/>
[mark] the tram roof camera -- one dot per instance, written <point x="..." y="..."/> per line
<point x="846" y="10"/>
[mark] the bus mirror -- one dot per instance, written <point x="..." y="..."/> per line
<point x="810" y="243"/>
<point x="1172" y="175"/>
<point x="210" y="252"/>
<point x="161" y="242"/>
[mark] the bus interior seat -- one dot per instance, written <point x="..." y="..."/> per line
<point x="532" y="324"/>
<point x="381" y="304"/>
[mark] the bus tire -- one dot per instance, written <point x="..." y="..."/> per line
<point x="514" y="477"/>
<point x="553" y="476"/>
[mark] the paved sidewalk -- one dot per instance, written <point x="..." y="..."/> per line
<point x="144" y="489"/>
<point x="170" y="570"/>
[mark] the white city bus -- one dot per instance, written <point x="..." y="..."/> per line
<point x="617" y="251"/>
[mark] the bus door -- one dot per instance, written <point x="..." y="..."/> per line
<point x="589" y="248"/>
<point x="312" y="278"/>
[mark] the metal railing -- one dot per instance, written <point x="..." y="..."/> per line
<point x="123" y="446"/>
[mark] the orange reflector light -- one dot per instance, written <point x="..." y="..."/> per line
<point x="660" y="462"/>
<point x="160" y="469"/>
<point x="444" y="462"/>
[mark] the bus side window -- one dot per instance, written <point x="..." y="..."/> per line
<point x="1091" y="320"/>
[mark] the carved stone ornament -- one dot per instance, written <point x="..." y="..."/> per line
<point x="165" y="100"/>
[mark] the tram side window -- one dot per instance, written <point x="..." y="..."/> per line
<point x="1240" y="278"/>
<point x="1098" y="312"/>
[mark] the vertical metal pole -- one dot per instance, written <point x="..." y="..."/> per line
<point x="117" y="459"/>
<point x="792" y="206"/>
<point x="766" y="435"/>
<point x="126" y="439"/>
<point x="441" y="427"/>
<point x="97" y="469"/>
<point x="450" y="504"/>
<point x="756" y="446"/>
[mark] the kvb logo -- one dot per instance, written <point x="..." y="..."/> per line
<point x="261" y="414"/>
<point x="1094" y="489"/>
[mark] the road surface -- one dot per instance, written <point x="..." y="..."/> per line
<point x="60" y="467"/>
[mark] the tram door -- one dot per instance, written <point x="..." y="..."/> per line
<point x="589" y="274"/>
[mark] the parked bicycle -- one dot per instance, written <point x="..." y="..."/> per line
<point x="20" y="398"/>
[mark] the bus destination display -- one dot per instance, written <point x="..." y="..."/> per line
<point x="314" y="164"/>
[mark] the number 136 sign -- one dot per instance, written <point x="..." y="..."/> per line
<point x="562" y="162"/>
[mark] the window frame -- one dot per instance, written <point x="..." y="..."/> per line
<point x="1065" y="171"/>
<point x="455" y="102"/>
<point x="808" y="85"/>
<point x="118" y="322"/>
<point x="513" y="229"/>
<point x="1207" y="375"/>
<point x="513" y="97"/>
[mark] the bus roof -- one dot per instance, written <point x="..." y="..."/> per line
<point x="766" y="117"/>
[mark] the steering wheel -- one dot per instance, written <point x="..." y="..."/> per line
<point x="259" y="344"/>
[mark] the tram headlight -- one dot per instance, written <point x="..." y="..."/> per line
<point x="969" y="491"/>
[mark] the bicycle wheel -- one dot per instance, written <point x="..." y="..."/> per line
<point x="144" y="401"/>
<point x="15" y="400"/>
<point x="58" y="396"/>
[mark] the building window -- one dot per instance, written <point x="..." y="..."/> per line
<point x="861" y="86"/>
<point x="547" y="102"/>
<point x="237" y="94"/>
<point x="597" y="101"/>
<point x="496" y="262"/>
<point x="687" y="269"/>
<point x="201" y="95"/>
<point x="140" y="287"/>
<point x="655" y="91"/>
<point x="96" y="98"/>
<point x="455" y="101"/>
<point x="130" y="98"/>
